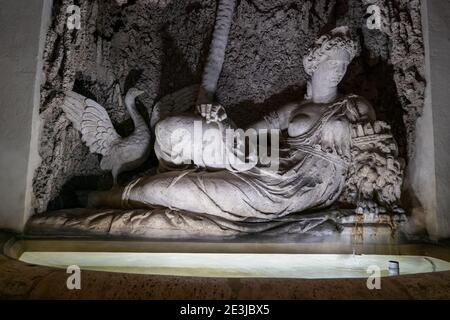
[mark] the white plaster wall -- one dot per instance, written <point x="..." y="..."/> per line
<point x="429" y="171"/>
<point x="23" y="24"/>
<point x="439" y="55"/>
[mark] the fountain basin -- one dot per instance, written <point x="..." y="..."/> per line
<point x="306" y="266"/>
<point x="230" y="260"/>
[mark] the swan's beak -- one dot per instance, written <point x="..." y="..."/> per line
<point x="139" y="92"/>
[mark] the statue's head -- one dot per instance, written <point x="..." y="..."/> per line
<point x="329" y="57"/>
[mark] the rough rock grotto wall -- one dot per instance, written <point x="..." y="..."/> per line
<point x="160" y="46"/>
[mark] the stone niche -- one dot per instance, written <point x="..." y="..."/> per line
<point x="161" y="46"/>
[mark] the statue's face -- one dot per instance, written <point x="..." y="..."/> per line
<point x="331" y="71"/>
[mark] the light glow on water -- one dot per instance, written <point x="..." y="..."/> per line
<point x="311" y="266"/>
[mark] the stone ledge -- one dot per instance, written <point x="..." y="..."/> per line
<point x="333" y="225"/>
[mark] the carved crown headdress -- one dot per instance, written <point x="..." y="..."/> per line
<point x="338" y="38"/>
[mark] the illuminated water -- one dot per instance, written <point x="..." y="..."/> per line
<point x="312" y="266"/>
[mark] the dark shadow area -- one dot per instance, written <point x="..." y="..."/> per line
<point x="373" y="79"/>
<point x="247" y="111"/>
<point x="176" y="71"/>
<point x="68" y="197"/>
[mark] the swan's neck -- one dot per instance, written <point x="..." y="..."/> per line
<point x="134" y="114"/>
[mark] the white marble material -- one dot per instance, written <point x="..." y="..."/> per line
<point x="97" y="131"/>
<point x="316" y="154"/>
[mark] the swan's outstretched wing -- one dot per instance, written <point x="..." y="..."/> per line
<point x="96" y="128"/>
<point x="92" y="120"/>
<point x="73" y="106"/>
<point x="175" y="103"/>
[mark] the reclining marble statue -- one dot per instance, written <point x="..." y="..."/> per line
<point x="325" y="141"/>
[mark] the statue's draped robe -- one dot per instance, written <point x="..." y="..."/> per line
<point x="308" y="178"/>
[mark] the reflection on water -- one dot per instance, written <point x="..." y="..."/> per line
<point x="312" y="266"/>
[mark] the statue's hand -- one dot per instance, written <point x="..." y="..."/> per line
<point x="212" y="112"/>
<point x="336" y="138"/>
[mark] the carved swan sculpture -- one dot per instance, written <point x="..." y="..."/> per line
<point x="97" y="131"/>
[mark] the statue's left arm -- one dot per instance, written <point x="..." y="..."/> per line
<point x="278" y="119"/>
<point x="360" y="110"/>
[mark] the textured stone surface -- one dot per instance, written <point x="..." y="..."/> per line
<point x="171" y="224"/>
<point x="375" y="177"/>
<point x="402" y="20"/>
<point x="160" y="46"/>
